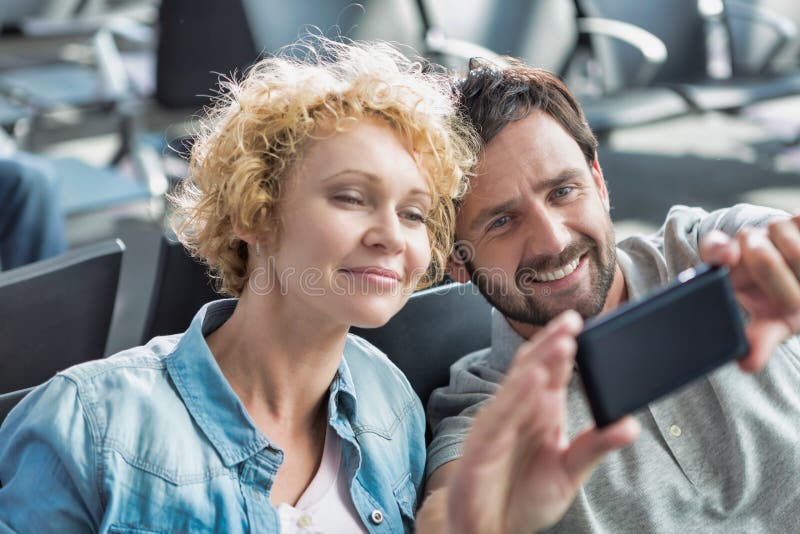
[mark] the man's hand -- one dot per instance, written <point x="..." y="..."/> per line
<point x="518" y="472"/>
<point x="765" y="271"/>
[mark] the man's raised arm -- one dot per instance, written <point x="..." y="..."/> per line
<point x="518" y="472"/>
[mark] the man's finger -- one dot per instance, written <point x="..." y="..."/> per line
<point x="568" y="323"/>
<point x="588" y="448"/>
<point x="764" y="336"/>
<point x="518" y="397"/>
<point x="786" y="236"/>
<point x="768" y="270"/>
<point x="560" y="361"/>
<point x="718" y="248"/>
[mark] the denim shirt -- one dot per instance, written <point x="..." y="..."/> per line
<point x="154" y="439"/>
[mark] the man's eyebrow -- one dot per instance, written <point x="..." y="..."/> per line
<point x="553" y="183"/>
<point x="563" y="177"/>
<point x="490" y="212"/>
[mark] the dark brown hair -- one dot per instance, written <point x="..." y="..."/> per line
<point x="498" y="92"/>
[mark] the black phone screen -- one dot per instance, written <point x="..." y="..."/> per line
<point x="644" y="350"/>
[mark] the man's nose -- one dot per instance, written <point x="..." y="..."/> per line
<point x="548" y="233"/>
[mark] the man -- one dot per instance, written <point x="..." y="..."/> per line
<point x="535" y="235"/>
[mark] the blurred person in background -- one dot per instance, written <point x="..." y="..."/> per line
<point x="31" y="223"/>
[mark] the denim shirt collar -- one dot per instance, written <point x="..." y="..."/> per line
<point x="212" y="402"/>
<point x="342" y="400"/>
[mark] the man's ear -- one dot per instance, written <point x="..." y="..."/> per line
<point x="456" y="268"/>
<point x="600" y="182"/>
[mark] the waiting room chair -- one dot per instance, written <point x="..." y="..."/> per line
<point x="699" y="40"/>
<point x="781" y="51"/>
<point x="181" y="287"/>
<point x="434" y="329"/>
<point x="56" y="313"/>
<point x="200" y="41"/>
<point x="9" y="400"/>
<point x="548" y="34"/>
<point x="39" y="85"/>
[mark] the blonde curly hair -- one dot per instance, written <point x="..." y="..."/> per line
<point x="257" y="129"/>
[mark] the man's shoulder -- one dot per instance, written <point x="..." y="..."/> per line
<point x="478" y="358"/>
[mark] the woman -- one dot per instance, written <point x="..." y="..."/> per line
<point x="320" y="194"/>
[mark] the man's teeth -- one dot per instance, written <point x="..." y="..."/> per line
<point x="558" y="274"/>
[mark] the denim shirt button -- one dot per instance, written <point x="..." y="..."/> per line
<point x="377" y="517"/>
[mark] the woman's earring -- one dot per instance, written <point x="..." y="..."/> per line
<point x="258" y="248"/>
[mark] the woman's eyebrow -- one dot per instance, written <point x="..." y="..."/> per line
<point x="373" y="178"/>
<point x="369" y="176"/>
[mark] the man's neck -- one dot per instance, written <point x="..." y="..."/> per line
<point x="617" y="295"/>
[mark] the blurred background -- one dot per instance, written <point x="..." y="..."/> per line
<point x="695" y="101"/>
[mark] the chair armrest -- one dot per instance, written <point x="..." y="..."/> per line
<point x="131" y="23"/>
<point x="785" y="29"/>
<point x="436" y="42"/>
<point x="652" y="49"/>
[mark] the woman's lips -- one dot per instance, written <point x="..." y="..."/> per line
<point x="375" y="275"/>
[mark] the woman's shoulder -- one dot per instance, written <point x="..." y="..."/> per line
<point x="124" y="375"/>
<point x="129" y="388"/>
<point x="120" y="404"/>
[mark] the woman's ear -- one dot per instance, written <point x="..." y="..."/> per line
<point x="255" y="245"/>
<point x="248" y="237"/>
<point x="456" y="267"/>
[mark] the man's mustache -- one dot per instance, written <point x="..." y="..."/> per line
<point x="530" y="268"/>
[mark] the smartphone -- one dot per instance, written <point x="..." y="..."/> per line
<point x="647" y="349"/>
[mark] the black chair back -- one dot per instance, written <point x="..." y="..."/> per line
<point x="56" y="313"/>
<point x="198" y="41"/>
<point x="434" y="329"/>
<point x="9" y="400"/>
<point x="181" y="287"/>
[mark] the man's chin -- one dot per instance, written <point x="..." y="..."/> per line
<point x="536" y="313"/>
<point x="540" y="316"/>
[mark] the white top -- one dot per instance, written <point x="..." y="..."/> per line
<point x="326" y="505"/>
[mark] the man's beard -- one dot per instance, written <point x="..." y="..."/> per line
<point x="521" y="303"/>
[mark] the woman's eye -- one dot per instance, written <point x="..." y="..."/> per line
<point x="562" y="192"/>
<point x="347" y="198"/>
<point x="415" y="216"/>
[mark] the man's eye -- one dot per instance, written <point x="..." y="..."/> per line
<point x="499" y="222"/>
<point x="562" y="192"/>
